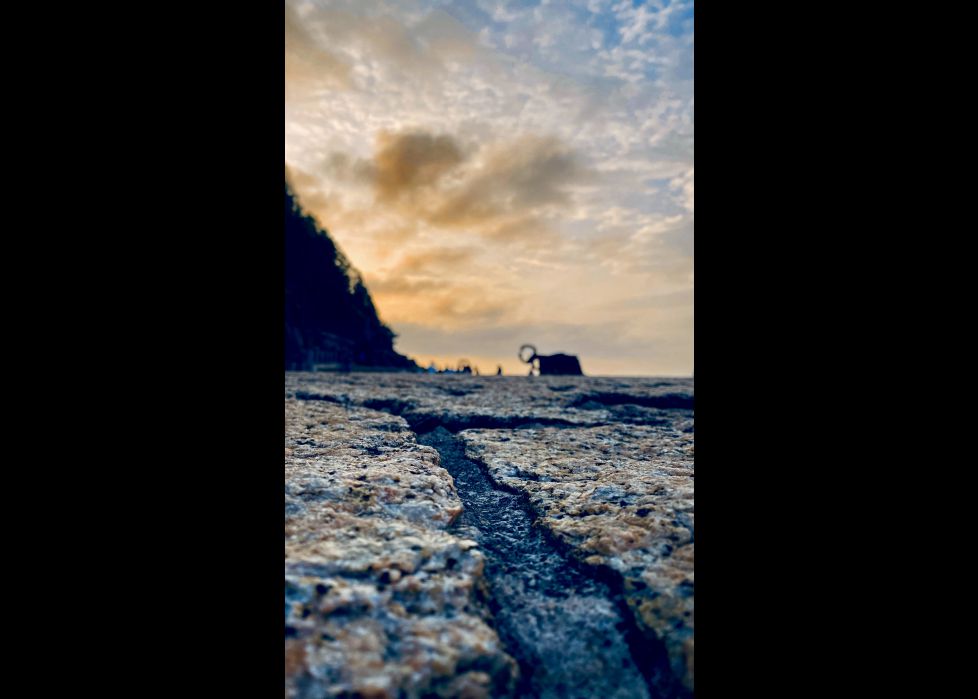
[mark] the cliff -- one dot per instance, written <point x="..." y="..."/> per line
<point x="330" y="319"/>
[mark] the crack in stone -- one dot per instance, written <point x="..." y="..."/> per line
<point x="567" y="625"/>
<point x="558" y="624"/>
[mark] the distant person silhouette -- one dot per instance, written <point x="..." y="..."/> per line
<point x="499" y="370"/>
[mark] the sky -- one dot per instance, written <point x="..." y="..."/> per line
<point x="504" y="173"/>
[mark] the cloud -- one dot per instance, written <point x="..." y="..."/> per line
<point x="513" y="179"/>
<point x="299" y="179"/>
<point x="401" y="286"/>
<point x="307" y="61"/>
<point x="493" y="165"/>
<point x="433" y="259"/>
<point x="446" y="37"/>
<point x="500" y="191"/>
<point x="683" y="185"/>
<point x="441" y="304"/>
<point x="412" y="161"/>
<point x="439" y="287"/>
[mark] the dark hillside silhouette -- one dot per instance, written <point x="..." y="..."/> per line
<point x="330" y="318"/>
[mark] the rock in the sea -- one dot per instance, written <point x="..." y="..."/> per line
<point x="381" y="601"/>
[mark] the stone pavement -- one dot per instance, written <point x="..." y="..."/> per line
<point x="541" y="546"/>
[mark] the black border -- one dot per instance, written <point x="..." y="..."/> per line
<point x="179" y="401"/>
<point x="169" y="545"/>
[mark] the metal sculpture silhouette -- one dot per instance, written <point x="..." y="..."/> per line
<point x="551" y="364"/>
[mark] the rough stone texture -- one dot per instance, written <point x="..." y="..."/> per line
<point x="381" y="600"/>
<point x="462" y="401"/>
<point x="563" y="626"/>
<point x="619" y="497"/>
<point x="605" y="463"/>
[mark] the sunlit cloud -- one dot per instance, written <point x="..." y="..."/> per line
<point x="505" y="172"/>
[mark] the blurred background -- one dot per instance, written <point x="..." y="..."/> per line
<point x="490" y="174"/>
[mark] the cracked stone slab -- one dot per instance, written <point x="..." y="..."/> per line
<point x="382" y="600"/>
<point x="565" y="628"/>
<point x="619" y="497"/>
<point x="611" y="479"/>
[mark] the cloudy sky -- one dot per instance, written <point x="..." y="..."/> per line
<point x="505" y="172"/>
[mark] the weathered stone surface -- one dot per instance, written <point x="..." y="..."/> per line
<point x="563" y="626"/>
<point x="463" y="401"/>
<point x="606" y="465"/>
<point x="381" y="600"/>
<point x="619" y="497"/>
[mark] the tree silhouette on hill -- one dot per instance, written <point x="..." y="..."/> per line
<point x="329" y="315"/>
